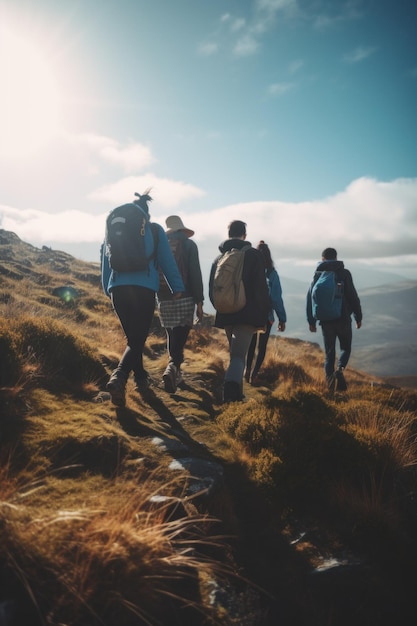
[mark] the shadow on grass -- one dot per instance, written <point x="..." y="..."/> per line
<point x="135" y="425"/>
<point x="142" y="426"/>
<point x="203" y="400"/>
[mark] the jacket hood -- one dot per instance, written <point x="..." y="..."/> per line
<point x="331" y="266"/>
<point x="228" y="244"/>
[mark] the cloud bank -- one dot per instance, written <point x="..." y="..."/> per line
<point x="369" y="219"/>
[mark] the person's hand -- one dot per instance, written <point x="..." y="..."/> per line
<point x="358" y="324"/>
<point x="281" y="327"/>
<point x="313" y="328"/>
<point x="177" y="296"/>
<point x="199" y="311"/>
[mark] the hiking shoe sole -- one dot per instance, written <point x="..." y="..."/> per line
<point x="170" y="384"/>
<point x="118" y="394"/>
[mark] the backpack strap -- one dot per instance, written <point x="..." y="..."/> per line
<point x="155" y="235"/>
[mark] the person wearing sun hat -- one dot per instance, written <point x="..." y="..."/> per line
<point x="177" y="315"/>
<point x="175" y="224"/>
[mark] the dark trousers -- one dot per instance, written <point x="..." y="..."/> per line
<point x="176" y="340"/>
<point x="134" y="306"/>
<point x="341" y="330"/>
<point x="262" y="340"/>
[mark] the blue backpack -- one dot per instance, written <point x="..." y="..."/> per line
<point x="327" y="296"/>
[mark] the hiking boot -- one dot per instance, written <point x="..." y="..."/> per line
<point x="117" y="388"/>
<point x="341" y="384"/>
<point x="231" y="392"/>
<point x="179" y="377"/>
<point x="170" y="378"/>
<point x="254" y="381"/>
<point x="331" y="382"/>
<point x="143" y="383"/>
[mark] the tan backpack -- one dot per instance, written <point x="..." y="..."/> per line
<point x="228" y="289"/>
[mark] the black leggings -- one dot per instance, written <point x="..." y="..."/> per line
<point x="134" y="306"/>
<point x="176" y="339"/>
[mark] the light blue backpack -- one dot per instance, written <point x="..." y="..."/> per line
<point x="327" y="297"/>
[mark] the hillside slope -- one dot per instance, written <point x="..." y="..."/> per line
<point x="293" y="507"/>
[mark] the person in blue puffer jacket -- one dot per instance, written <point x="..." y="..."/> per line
<point x="277" y="307"/>
<point x="339" y="329"/>
<point x="133" y="300"/>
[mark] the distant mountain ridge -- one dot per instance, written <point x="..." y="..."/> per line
<point x="386" y="345"/>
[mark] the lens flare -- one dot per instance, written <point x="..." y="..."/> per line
<point x="66" y="293"/>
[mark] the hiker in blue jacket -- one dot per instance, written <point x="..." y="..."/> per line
<point x="340" y="328"/>
<point x="240" y="326"/>
<point x="133" y="298"/>
<point x="277" y="306"/>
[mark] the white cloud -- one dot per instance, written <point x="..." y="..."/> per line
<point x="250" y="31"/>
<point x="368" y="220"/>
<point x="342" y="12"/>
<point x="131" y="157"/>
<point x="73" y="226"/>
<point x="360" y="53"/>
<point x="237" y="24"/>
<point x="279" y="89"/>
<point x="247" y="45"/>
<point x="41" y="227"/>
<point x="208" y="49"/>
<point x="267" y="14"/>
<point x="170" y="193"/>
<point x="294" y="66"/>
<point x="273" y="6"/>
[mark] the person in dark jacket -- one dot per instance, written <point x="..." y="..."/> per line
<point x="133" y="299"/>
<point x="260" y="340"/>
<point x="339" y="329"/>
<point x="241" y="326"/>
<point x="177" y="315"/>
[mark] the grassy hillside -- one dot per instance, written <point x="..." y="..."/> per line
<point x="293" y="507"/>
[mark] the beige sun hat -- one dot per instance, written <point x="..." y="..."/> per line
<point x="174" y="223"/>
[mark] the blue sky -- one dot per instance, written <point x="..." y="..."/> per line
<point x="297" y="116"/>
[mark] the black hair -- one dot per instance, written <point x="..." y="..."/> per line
<point x="266" y="255"/>
<point x="143" y="200"/>
<point x="237" y="228"/>
<point x="329" y="254"/>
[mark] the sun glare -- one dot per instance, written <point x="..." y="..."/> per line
<point x="29" y="102"/>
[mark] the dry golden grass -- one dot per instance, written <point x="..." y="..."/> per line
<point x="83" y="542"/>
<point x="115" y="555"/>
